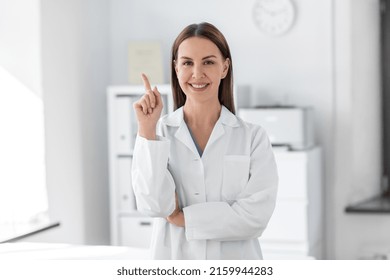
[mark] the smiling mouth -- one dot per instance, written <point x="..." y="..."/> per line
<point x="199" y="86"/>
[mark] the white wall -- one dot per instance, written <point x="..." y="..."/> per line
<point x="75" y="75"/>
<point x="94" y="115"/>
<point x="20" y="41"/>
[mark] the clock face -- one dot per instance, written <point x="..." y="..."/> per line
<point x="274" y="17"/>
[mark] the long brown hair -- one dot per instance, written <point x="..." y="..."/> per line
<point x="207" y="31"/>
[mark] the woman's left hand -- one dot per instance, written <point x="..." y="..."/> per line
<point x="177" y="216"/>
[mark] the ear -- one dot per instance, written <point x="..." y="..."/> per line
<point x="226" y="66"/>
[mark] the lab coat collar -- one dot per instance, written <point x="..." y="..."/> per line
<point x="176" y="119"/>
<point x="226" y="118"/>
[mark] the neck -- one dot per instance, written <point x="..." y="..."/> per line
<point x="201" y="115"/>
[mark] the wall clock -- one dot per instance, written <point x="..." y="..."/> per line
<point x="274" y="17"/>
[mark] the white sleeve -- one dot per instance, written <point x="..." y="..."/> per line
<point x="248" y="215"/>
<point x="153" y="185"/>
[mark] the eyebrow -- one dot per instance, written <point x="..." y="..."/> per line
<point x="206" y="57"/>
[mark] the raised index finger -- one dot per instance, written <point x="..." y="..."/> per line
<point x="146" y="82"/>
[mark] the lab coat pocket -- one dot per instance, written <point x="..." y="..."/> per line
<point x="235" y="176"/>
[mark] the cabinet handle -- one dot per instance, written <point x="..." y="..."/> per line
<point x="145" y="223"/>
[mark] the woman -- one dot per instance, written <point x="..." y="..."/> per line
<point x="208" y="177"/>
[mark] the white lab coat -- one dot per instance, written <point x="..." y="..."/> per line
<point x="227" y="195"/>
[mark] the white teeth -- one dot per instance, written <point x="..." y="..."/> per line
<point x="199" y="86"/>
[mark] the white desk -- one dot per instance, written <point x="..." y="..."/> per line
<point x="57" y="251"/>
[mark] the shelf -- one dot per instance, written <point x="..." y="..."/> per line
<point x="375" y="205"/>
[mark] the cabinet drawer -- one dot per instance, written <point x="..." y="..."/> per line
<point x="292" y="170"/>
<point x="135" y="231"/>
<point x="124" y="190"/>
<point x="288" y="223"/>
<point x="123" y="130"/>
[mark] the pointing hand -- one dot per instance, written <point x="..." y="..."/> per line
<point x="148" y="110"/>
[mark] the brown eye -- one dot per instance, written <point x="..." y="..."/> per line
<point x="187" y="63"/>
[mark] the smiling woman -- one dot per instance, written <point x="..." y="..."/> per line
<point x="23" y="198"/>
<point x="205" y="49"/>
<point x="208" y="177"/>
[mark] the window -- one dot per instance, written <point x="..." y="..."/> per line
<point x="23" y="196"/>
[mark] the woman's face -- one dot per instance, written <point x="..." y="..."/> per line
<point x="200" y="68"/>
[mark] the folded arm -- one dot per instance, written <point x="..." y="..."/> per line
<point x="247" y="216"/>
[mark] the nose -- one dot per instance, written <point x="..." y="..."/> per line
<point x="198" y="71"/>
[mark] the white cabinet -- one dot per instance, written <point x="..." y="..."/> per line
<point x="135" y="230"/>
<point x="128" y="227"/>
<point x="295" y="229"/>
